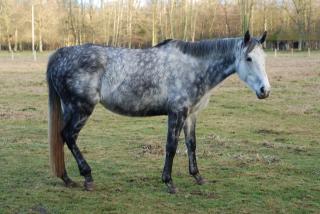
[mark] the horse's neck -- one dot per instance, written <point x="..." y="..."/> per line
<point x="218" y="70"/>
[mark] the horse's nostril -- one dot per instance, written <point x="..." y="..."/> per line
<point x="262" y="90"/>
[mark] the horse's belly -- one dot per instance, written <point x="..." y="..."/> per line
<point x="131" y="105"/>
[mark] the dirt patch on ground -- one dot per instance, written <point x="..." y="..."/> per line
<point x="153" y="149"/>
<point x="269" y="132"/>
<point x="268" y="144"/>
<point x="11" y="115"/>
<point x="247" y="159"/>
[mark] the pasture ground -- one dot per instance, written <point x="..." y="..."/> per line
<point x="258" y="156"/>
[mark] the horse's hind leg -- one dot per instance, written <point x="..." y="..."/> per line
<point x="190" y="139"/>
<point x="67" y="180"/>
<point x="75" y="117"/>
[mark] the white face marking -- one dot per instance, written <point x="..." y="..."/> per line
<point x="251" y="69"/>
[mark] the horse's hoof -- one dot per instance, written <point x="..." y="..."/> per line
<point x="88" y="185"/>
<point x="71" y="184"/>
<point x="171" y="188"/>
<point x="199" y="179"/>
<point x="67" y="181"/>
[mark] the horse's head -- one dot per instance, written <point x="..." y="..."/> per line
<point x="250" y="65"/>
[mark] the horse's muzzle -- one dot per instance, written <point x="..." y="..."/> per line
<point x="263" y="93"/>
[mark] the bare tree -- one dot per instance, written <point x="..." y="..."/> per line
<point x="226" y="17"/>
<point x="154" y="21"/>
<point x="5" y="10"/>
<point x="136" y="23"/>
<point x="194" y="21"/>
<point x="246" y="13"/>
<point x="172" y="6"/>
<point x="297" y="12"/>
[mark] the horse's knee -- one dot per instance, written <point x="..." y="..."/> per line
<point x="171" y="148"/>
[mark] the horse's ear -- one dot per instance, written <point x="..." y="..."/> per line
<point x="263" y="37"/>
<point x="247" y="37"/>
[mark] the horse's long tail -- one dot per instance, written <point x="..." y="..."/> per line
<point x="54" y="129"/>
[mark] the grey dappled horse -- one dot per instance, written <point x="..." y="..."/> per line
<point x="173" y="78"/>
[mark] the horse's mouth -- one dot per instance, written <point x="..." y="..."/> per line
<point x="263" y="95"/>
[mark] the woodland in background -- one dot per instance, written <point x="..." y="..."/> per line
<point x="141" y="23"/>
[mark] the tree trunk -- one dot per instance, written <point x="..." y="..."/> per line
<point x="185" y="36"/>
<point x="9" y="43"/>
<point x="154" y="27"/>
<point x="0" y="35"/>
<point x="20" y="46"/>
<point x="72" y="24"/>
<point x="15" y="40"/>
<point x="40" y="36"/>
<point x="246" y="12"/>
<point x="107" y="28"/>
<point x="194" y="26"/>
<point x="119" y="31"/>
<point x="166" y="28"/>
<point x="264" y="21"/>
<point x="212" y="22"/>
<point x="81" y="23"/>
<point x="130" y="6"/>
<point x="225" y="9"/>
<point x="171" y="18"/>
<point x="114" y="13"/>
<point x="300" y="44"/>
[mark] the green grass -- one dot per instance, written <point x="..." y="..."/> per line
<point x="257" y="156"/>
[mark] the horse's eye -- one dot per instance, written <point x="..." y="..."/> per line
<point x="249" y="59"/>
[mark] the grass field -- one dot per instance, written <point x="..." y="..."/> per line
<point x="258" y="156"/>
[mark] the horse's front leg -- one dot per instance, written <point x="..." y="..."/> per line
<point x="175" y="124"/>
<point x="190" y="139"/>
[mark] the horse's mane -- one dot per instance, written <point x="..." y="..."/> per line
<point x="164" y="42"/>
<point x="209" y="47"/>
